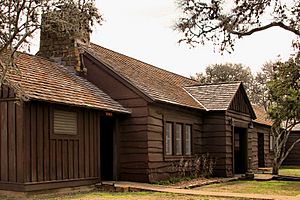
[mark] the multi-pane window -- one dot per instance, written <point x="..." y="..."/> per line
<point x="178" y="140"/>
<point x="64" y="122"/>
<point x="188" y="141"/>
<point x="169" y="137"/>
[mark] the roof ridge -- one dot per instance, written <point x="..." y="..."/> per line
<point x="219" y="83"/>
<point x="145" y="63"/>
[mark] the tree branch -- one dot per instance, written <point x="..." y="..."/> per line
<point x="273" y="24"/>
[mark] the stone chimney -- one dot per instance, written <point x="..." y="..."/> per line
<point x="60" y="46"/>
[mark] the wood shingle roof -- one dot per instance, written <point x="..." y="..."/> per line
<point x="47" y="81"/>
<point x="214" y="96"/>
<point x="158" y="84"/>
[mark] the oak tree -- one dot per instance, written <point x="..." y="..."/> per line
<point x="223" y="21"/>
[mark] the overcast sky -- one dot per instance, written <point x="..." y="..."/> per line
<point x="143" y="29"/>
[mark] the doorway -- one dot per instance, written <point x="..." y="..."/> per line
<point x="260" y="149"/>
<point x="240" y="150"/>
<point x="107" y="130"/>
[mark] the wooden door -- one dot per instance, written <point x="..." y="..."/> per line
<point x="260" y="148"/>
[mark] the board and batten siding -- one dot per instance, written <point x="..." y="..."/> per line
<point x="58" y="159"/>
<point x="132" y="163"/>
<point x="11" y="140"/>
<point x="160" y="165"/>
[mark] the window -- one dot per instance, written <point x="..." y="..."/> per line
<point x="271" y="142"/>
<point x="64" y="122"/>
<point x="178" y="139"/>
<point x="188" y="141"/>
<point x="169" y="137"/>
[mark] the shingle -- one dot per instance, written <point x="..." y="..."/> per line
<point x="261" y="114"/>
<point x="214" y="96"/>
<point x="48" y="81"/>
<point x="156" y="83"/>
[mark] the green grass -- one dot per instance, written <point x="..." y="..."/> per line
<point x="119" y="196"/>
<point x="290" y="188"/>
<point x="290" y="171"/>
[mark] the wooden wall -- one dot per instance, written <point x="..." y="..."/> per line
<point x="132" y="155"/>
<point x="11" y="139"/>
<point x="33" y="158"/>
<point x="294" y="156"/>
<point x="160" y="166"/>
<point x="240" y="120"/>
<point x="258" y="128"/>
<point x="217" y="142"/>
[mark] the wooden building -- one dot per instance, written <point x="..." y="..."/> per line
<point x="293" y="158"/>
<point x="261" y="146"/>
<point x="52" y="139"/>
<point x="100" y="115"/>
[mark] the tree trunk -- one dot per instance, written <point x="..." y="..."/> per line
<point x="275" y="169"/>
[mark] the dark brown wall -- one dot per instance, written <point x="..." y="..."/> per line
<point x="216" y="142"/>
<point x="160" y="166"/>
<point x="259" y="128"/>
<point x="294" y="156"/>
<point x="33" y="158"/>
<point x="241" y="120"/>
<point x="11" y="139"/>
<point x="132" y="134"/>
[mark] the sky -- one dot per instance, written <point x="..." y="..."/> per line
<point x="143" y="29"/>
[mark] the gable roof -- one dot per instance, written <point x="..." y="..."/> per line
<point x="157" y="84"/>
<point x="214" y="96"/>
<point x="261" y="115"/>
<point x="47" y="81"/>
<point x="219" y="96"/>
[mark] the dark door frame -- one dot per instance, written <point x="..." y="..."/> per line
<point x="243" y="148"/>
<point x="112" y="124"/>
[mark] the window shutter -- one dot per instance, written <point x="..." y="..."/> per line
<point x="65" y="122"/>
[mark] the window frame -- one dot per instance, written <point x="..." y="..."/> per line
<point x="175" y="156"/>
<point x="54" y="135"/>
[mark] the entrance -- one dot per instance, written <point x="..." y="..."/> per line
<point x="240" y="150"/>
<point x="107" y="129"/>
<point x="260" y="148"/>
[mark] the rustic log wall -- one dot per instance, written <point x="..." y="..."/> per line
<point x="217" y="141"/>
<point x="259" y="128"/>
<point x="132" y="135"/>
<point x="240" y="120"/>
<point x="161" y="166"/>
<point x="294" y="156"/>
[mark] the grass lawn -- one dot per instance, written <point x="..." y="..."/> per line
<point x="290" y="171"/>
<point x="289" y="188"/>
<point x="119" y="196"/>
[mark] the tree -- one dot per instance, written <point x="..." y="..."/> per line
<point x="220" y="73"/>
<point x="20" y="19"/>
<point x="284" y="107"/>
<point x="259" y="89"/>
<point x="223" y="21"/>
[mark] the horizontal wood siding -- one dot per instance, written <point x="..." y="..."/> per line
<point x="259" y="128"/>
<point x="240" y="120"/>
<point x="294" y="156"/>
<point x="54" y="158"/>
<point x="11" y="139"/>
<point x="132" y="137"/>
<point x="217" y="141"/>
<point x="160" y="166"/>
<point x="133" y="146"/>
